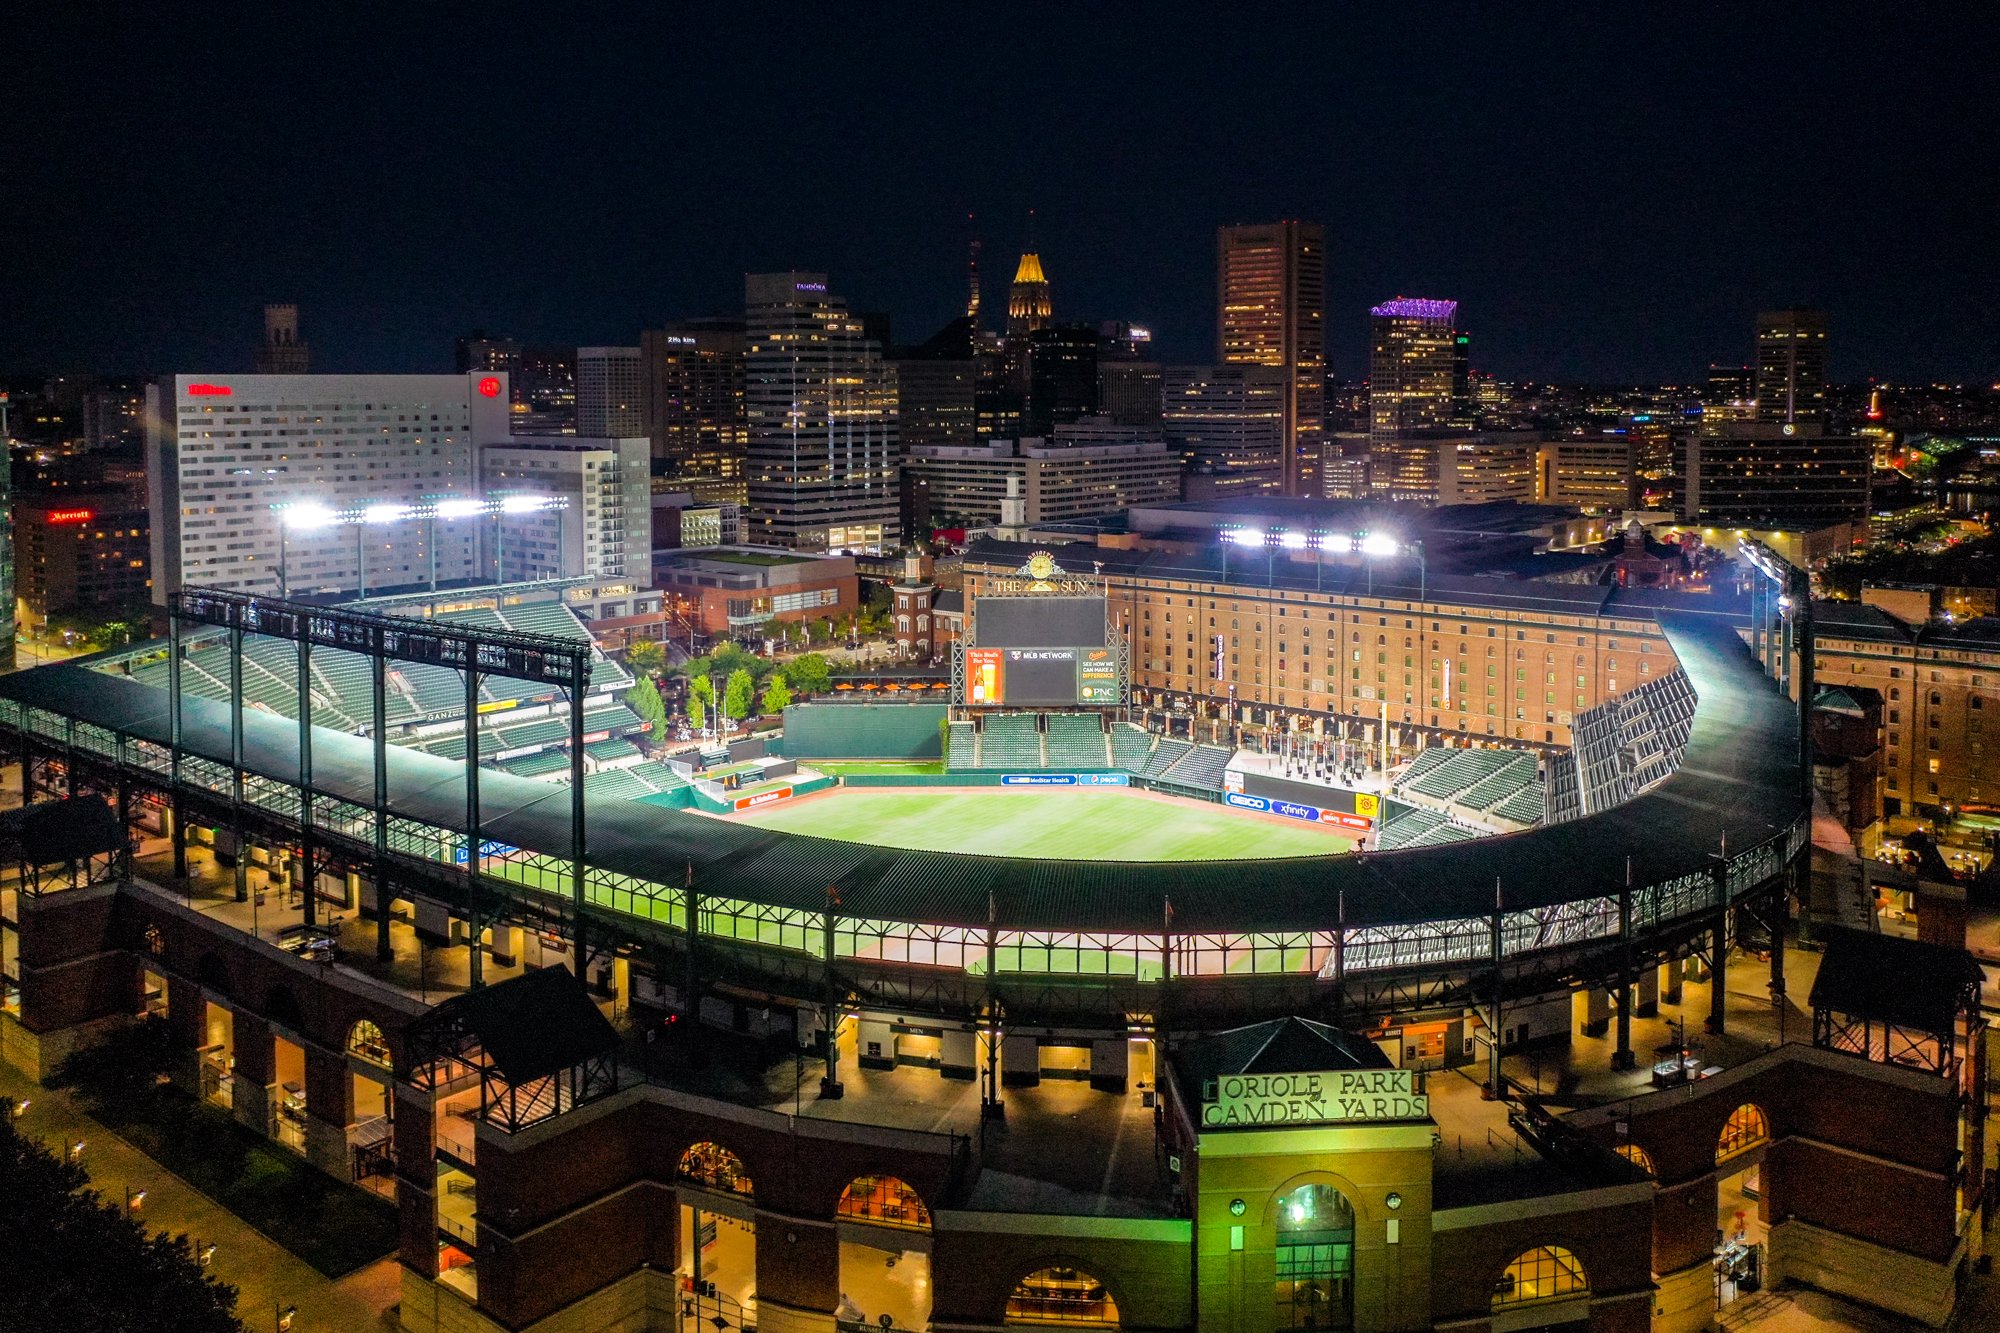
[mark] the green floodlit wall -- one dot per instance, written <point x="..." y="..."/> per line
<point x="863" y="731"/>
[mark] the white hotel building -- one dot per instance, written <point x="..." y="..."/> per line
<point x="225" y="454"/>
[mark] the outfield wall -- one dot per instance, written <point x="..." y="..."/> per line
<point x="864" y="731"/>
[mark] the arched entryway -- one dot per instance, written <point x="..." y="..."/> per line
<point x="718" y="1234"/>
<point x="1740" y="1205"/>
<point x="1315" y="1287"/>
<point x="1060" y="1297"/>
<point x="885" y="1259"/>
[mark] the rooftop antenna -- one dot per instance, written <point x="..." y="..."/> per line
<point x="972" y="277"/>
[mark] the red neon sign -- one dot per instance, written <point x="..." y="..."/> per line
<point x="71" y="515"/>
<point x="490" y="387"/>
<point x="209" y="390"/>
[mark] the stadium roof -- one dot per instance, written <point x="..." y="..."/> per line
<point x="1737" y="782"/>
<point x="1405" y="579"/>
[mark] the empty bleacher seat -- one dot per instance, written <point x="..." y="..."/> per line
<point x="1201" y="767"/>
<point x="1076" y="740"/>
<point x="961" y="745"/>
<point x="1165" y="755"/>
<point x="1012" y="741"/>
<point x="614" y="784"/>
<point x="1131" y="746"/>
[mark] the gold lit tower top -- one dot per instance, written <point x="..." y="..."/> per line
<point x="1028" y="306"/>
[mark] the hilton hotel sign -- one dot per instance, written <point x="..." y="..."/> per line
<point x="1336" y="1097"/>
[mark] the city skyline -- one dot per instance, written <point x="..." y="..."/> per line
<point x="1543" y="202"/>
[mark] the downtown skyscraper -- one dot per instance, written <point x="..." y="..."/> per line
<point x="1271" y="311"/>
<point x="1413" y="373"/>
<point x="1791" y="366"/>
<point x="820" y="401"/>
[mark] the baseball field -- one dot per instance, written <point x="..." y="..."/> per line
<point x="1062" y="824"/>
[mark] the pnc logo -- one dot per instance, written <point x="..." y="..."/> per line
<point x="488" y="387"/>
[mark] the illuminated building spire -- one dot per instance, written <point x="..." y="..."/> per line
<point x="1028" y="305"/>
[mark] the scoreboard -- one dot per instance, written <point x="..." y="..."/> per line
<point x="1039" y="639"/>
<point x="1042" y="677"/>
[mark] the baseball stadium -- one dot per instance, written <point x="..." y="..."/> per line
<point x="914" y="978"/>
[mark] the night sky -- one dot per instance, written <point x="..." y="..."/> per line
<point x="1609" y="196"/>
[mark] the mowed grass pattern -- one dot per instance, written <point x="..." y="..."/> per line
<point x="1056" y="825"/>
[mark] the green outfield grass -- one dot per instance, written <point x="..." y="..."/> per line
<point x="877" y="767"/>
<point x="1056" y="824"/>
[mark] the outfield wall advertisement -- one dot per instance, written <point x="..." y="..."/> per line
<point x="1311" y="814"/>
<point x="1065" y="779"/>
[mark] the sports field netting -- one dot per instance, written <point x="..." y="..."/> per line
<point x="1064" y="825"/>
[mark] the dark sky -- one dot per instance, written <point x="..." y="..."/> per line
<point x="1609" y="195"/>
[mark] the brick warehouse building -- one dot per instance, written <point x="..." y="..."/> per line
<point x="1029" y="1159"/>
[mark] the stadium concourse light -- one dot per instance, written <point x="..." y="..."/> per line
<point x="311" y="516"/>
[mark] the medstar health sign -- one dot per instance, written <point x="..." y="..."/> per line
<point x="1346" y="1096"/>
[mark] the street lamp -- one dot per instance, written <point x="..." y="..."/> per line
<point x="282" y="1316"/>
<point x="16" y="1110"/>
<point x="135" y="1199"/>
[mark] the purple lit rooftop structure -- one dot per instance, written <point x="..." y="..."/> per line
<point x="1416" y="307"/>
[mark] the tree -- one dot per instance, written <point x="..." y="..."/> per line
<point x="646" y="658"/>
<point x="810" y="673"/>
<point x="701" y="695"/>
<point x="93" y="1267"/>
<point x="777" y="695"/>
<point x="737" y="693"/>
<point x="644" y="699"/>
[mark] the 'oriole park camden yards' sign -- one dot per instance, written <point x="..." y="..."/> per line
<point x="1345" y="1096"/>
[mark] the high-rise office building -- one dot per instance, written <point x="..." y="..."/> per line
<point x="1730" y="395"/>
<point x="283" y="352"/>
<point x="1028" y="305"/>
<point x="1062" y="376"/>
<point x="1228" y="424"/>
<point x="1271" y="311"/>
<point x="1762" y="474"/>
<point x="937" y="387"/>
<point x="691" y="396"/>
<point x="609" y="383"/>
<point x="821" y="405"/>
<point x="1131" y="393"/>
<point x="1412" y="374"/>
<point x="485" y="352"/>
<point x="226" y="455"/>
<point x="1791" y="365"/>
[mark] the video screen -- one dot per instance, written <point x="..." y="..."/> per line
<point x="1041" y="677"/>
<point x="1038" y="622"/>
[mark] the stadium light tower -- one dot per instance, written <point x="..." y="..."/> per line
<point x="303" y="516"/>
<point x="510" y="506"/>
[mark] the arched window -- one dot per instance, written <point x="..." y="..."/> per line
<point x="716" y="1168"/>
<point x="1315" y="1286"/>
<point x="366" y="1040"/>
<point x="1062" y="1297"/>
<point x="1638" y="1157"/>
<point x="1545" y="1273"/>
<point x="885" y="1201"/>
<point x="1746" y="1129"/>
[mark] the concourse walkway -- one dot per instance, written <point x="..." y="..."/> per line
<point x="266" y="1275"/>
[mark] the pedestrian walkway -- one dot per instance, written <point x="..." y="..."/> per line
<point x="267" y="1276"/>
